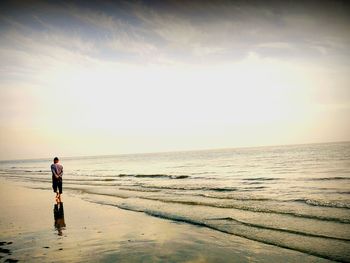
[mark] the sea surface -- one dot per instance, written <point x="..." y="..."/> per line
<point x="295" y="197"/>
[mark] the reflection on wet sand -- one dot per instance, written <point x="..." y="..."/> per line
<point x="58" y="214"/>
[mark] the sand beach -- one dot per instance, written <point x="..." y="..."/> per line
<point x="96" y="233"/>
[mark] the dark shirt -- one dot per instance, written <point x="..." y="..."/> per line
<point x="57" y="170"/>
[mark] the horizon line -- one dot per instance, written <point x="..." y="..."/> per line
<point x="172" y="151"/>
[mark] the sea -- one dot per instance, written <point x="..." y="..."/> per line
<point x="295" y="197"/>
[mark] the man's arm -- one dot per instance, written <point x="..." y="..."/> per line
<point x="61" y="172"/>
<point x="54" y="171"/>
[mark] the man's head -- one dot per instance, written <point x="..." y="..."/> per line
<point x="55" y="160"/>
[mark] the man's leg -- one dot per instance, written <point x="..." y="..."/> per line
<point x="54" y="186"/>
<point x="59" y="184"/>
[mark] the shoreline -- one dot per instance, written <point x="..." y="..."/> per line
<point x="102" y="233"/>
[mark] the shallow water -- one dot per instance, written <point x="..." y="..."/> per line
<point x="295" y="197"/>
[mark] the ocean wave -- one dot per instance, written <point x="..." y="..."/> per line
<point x="323" y="203"/>
<point x="190" y="188"/>
<point x="285" y="238"/>
<point x="343" y="192"/>
<point x="199" y="173"/>
<point x="207" y="188"/>
<point x="139" y="190"/>
<point x="253" y="182"/>
<point x="18" y="171"/>
<point x="249" y="188"/>
<point x="279" y="229"/>
<point x="155" y="176"/>
<point x="28" y="178"/>
<point x="254" y="209"/>
<point x="227" y="205"/>
<point x="221" y="189"/>
<point x="260" y="179"/>
<point x="241" y="198"/>
<point x="335" y="178"/>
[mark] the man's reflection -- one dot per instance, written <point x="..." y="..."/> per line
<point x="58" y="214"/>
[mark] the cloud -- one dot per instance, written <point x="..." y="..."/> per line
<point x="190" y="32"/>
<point x="115" y="33"/>
<point x="231" y="30"/>
<point x="189" y="67"/>
<point x="278" y="45"/>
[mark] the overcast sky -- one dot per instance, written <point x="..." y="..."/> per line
<point x="81" y="78"/>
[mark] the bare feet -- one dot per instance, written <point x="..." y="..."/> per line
<point x="57" y="197"/>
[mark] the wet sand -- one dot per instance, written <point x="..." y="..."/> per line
<point x="96" y="233"/>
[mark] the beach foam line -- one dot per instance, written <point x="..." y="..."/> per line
<point x="243" y="207"/>
<point x="323" y="203"/>
<point x="255" y="209"/>
<point x="279" y="229"/>
<point x="217" y="189"/>
<point x="293" y="240"/>
<point x="335" y="178"/>
<point x="261" y="179"/>
<point x="155" y="176"/>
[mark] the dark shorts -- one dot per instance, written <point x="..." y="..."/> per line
<point x="57" y="184"/>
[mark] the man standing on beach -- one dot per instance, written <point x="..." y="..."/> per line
<point x="57" y="172"/>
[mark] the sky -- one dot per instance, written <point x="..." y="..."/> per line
<point x="80" y="78"/>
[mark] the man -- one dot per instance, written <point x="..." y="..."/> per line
<point x="57" y="172"/>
